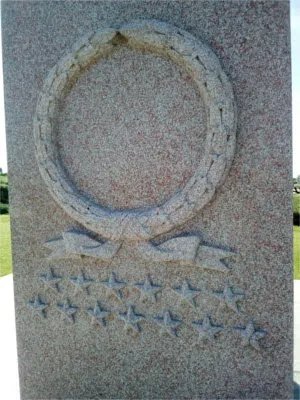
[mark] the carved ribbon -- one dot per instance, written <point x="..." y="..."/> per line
<point x="183" y="250"/>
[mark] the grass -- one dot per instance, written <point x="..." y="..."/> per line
<point x="296" y="203"/>
<point x="3" y="194"/>
<point x="296" y="209"/>
<point x="4" y="179"/>
<point x="4" y="208"/>
<point x="296" y="252"/>
<point x="5" y="247"/>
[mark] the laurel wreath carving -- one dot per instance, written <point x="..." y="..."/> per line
<point x="216" y="92"/>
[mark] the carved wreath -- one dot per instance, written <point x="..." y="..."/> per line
<point x="139" y="227"/>
<point x="216" y="92"/>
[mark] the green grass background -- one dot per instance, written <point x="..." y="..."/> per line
<point x="5" y="247"/>
<point x="3" y="184"/>
<point x="296" y="203"/>
<point x="3" y="179"/>
<point x="297" y="252"/>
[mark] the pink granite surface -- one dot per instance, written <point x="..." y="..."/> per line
<point x="63" y="357"/>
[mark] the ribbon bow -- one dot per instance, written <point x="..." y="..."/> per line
<point x="183" y="250"/>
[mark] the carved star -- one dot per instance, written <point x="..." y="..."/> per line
<point x="98" y="314"/>
<point x="131" y="319"/>
<point x="168" y="323"/>
<point x="51" y="279"/>
<point x="81" y="282"/>
<point x="38" y="305"/>
<point x="187" y="292"/>
<point x="207" y="331"/>
<point x="250" y="336"/>
<point x="68" y="310"/>
<point x="229" y="297"/>
<point x="114" y="285"/>
<point x="148" y="288"/>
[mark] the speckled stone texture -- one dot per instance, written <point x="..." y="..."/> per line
<point x="201" y="308"/>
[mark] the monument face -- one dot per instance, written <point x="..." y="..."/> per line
<point x="152" y="257"/>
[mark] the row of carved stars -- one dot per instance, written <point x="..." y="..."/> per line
<point x="170" y="324"/>
<point x="147" y="288"/>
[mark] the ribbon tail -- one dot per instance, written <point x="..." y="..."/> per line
<point x="181" y="250"/>
<point x="59" y="250"/>
<point x="186" y="251"/>
<point x="75" y="244"/>
<point x="80" y="243"/>
<point x="212" y="258"/>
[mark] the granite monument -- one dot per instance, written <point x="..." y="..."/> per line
<point x="151" y="260"/>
